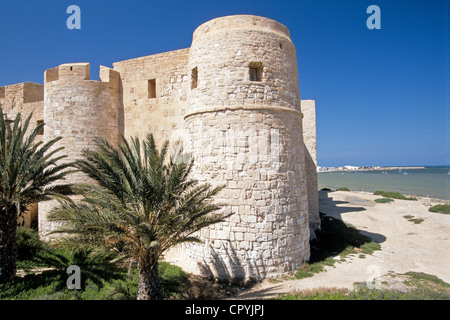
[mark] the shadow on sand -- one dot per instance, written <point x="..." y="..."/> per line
<point x="335" y="235"/>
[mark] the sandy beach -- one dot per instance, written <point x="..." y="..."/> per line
<point x="405" y="246"/>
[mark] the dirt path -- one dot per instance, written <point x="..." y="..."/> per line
<point x="406" y="246"/>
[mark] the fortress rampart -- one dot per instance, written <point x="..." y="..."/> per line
<point x="233" y="100"/>
<point x="25" y="97"/>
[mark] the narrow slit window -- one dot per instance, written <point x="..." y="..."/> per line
<point x="152" y="88"/>
<point x="39" y="122"/>
<point x="194" y="78"/>
<point x="255" y="71"/>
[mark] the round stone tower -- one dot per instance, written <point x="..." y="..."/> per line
<point x="244" y="119"/>
<point x="78" y="110"/>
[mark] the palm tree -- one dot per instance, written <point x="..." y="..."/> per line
<point x="140" y="206"/>
<point x="28" y="173"/>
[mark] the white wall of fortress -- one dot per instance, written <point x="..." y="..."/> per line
<point x="254" y="135"/>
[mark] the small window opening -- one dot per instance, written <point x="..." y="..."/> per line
<point x="152" y="88"/>
<point x="39" y="122"/>
<point x="194" y="78"/>
<point x="71" y="68"/>
<point x="255" y="71"/>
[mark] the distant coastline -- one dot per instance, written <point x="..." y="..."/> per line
<point x="356" y="168"/>
<point x="421" y="181"/>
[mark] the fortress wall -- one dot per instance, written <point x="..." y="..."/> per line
<point x="25" y="97"/>
<point x="246" y="133"/>
<point x="156" y="107"/>
<point x="78" y="110"/>
<point x="309" y="136"/>
<point x="233" y="99"/>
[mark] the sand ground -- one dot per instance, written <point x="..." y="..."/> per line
<point x="405" y="246"/>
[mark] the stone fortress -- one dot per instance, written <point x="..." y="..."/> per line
<point x="233" y="101"/>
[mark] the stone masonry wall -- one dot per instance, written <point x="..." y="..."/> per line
<point x="256" y="155"/>
<point x="309" y="136"/>
<point x="161" y="114"/>
<point x="26" y="98"/>
<point x="78" y="109"/>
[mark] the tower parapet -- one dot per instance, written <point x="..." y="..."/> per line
<point x="239" y="61"/>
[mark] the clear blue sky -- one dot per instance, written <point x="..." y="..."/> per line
<point x="382" y="96"/>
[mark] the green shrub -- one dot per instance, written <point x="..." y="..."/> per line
<point x="172" y="278"/>
<point x="317" y="294"/>
<point x="308" y="270"/>
<point x="384" y="200"/>
<point x="440" y="208"/>
<point x="35" y="253"/>
<point x="370" y="247"/>
<point x="413" y="219"/>
<point x="343" y="189"/>
<point x="394" y="195"/>
<point x="33" y="286"/>
<point x="100" y="280"/>
<point x="123" y="288"/>
<point x="28" y="243"/>
<point x="421" y="286"/>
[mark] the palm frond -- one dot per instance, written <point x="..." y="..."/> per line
<point x="142" y="202"/>
<point x="28" y="167"/>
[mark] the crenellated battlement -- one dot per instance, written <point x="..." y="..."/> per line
<point x="109" y="75"/>
<point x="80" y="71"/>
<point x="69" y="71"/>
<point x="23" y="92"/>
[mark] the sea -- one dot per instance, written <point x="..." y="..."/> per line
<point x="432" y="181"/>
